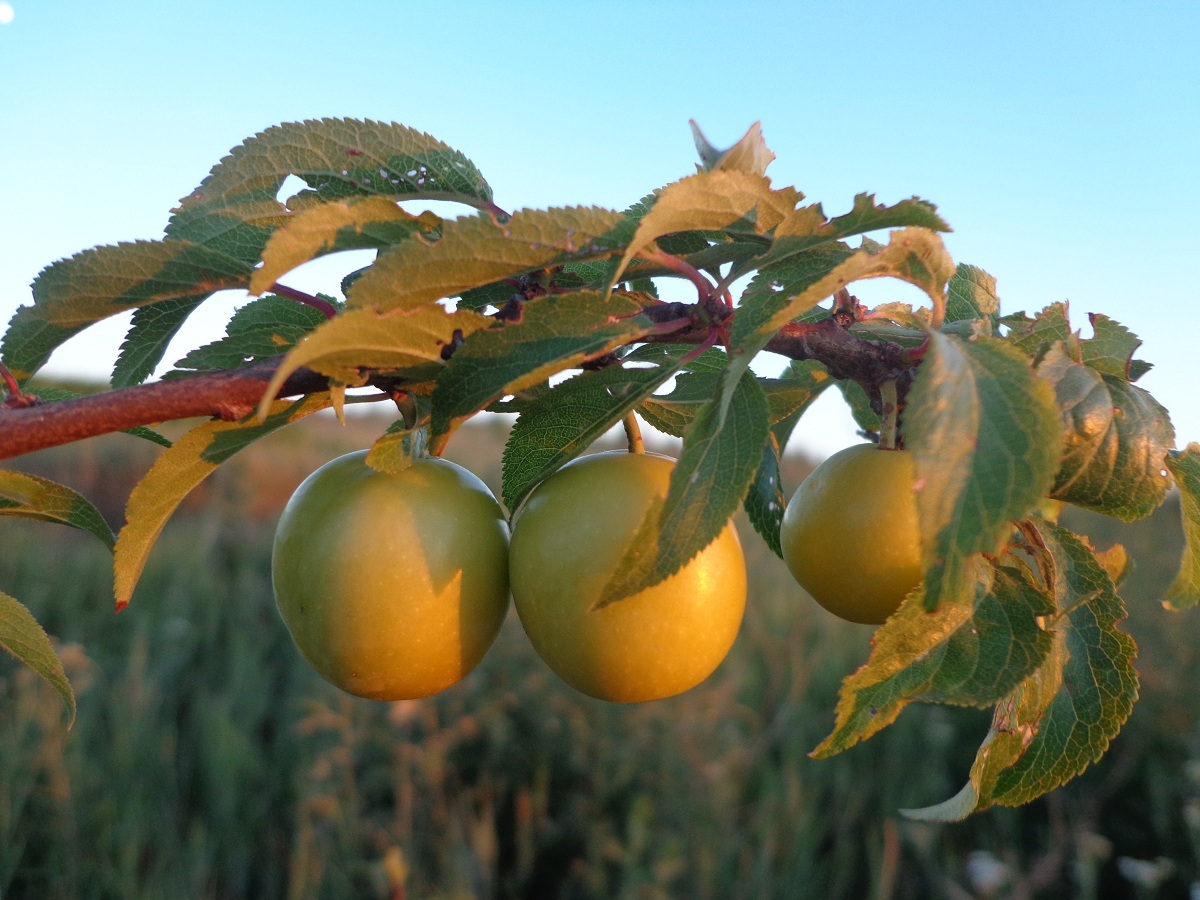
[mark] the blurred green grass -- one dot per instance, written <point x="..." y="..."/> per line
<point x="208" y="761"/>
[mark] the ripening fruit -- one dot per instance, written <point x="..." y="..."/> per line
<point x="567" y="540"/>
<point x="392" y="586"/>
<point x="850" y="534"/>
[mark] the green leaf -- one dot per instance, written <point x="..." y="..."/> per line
<point x="555" y="333"/>
<point x="672" y="413"/>
<point x="1184" y="591"/>
<point x="398" y="448"/>
<point x="971" y="294"/>
<point x="261" y="329"/>
<point x="1115" y="440"/>
<point x="807" y="228"/>
<point x="1111" y="349"/>
<point x="32" y="497"/>
<point x="478" y="250"/>
<point x="150" y="332"/>
<point x="969" y="654"/>
<point x="1061" y="718"/>
<point x="235" y="208"/>
<point x="365" y="339"/>
<point x="718" y="462"/>
<point x="781" y="293"/>
<point x="787" y="400"/>
<point x="750" y="154"/>
<point x="720" y="200"/>
<point x="985" y="437"/>
<point x="24" y="638"/>
<point x="73" y="293"/>
<point x="564" y="421"/>
<point x="496" y="294"/>
<point x="860" y="406"/>
<point x="353" y="223"/>
<point x="174" y="474"/>
<point x="1034" y="336"/>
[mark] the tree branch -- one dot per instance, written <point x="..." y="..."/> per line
<point x="236" y="393"/>
<point x="230" y="395"/>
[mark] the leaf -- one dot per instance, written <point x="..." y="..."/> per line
<point x="365" y="339"/>
<point x="720" y="200"/>
<point x="564" y="421"/>
<point x="261" y="329"/>
<point x="353" y="223"/>
<point x="555" y="333"/>
<point x="478" y="250"/>
<point x="235" y="208"/>
<point x="398" y="448"/>
<point x="1184" y="591"/>
<point x="24" y="638"/>
<point x="1037" y="335"/>
<point x="1061" y="718"/>
<point x="787" y="400"/>
<point x="1111" y="349"/>
<point x="73" y="293"/>
<point x="174" y="474"/>
<point x="672" y="413"/>
<point x="750" y="154"/>
<point x="984" y="435"/>
<point x="971" y="294"/>
<point x="971" y="653"/>
<point x="1115" y="440"/>
<point x="712" y="476"/>
<point x="807" y="228"/>
<point x="785" y="291"/>
<point x="860" y="406"/>
<point x="150" y="332"/>
<point x="32" y="497"/>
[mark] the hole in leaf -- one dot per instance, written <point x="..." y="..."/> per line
<point x="291" y="186"/>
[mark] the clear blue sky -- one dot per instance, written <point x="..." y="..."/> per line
<point x="1061" y="141"/>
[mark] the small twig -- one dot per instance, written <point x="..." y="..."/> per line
<point x="633" y="433"/>
<point x="323" y="306"/>
<point x="15" y="399"/>
<point x="704" y="287"/>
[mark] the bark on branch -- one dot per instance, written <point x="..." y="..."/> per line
<point x="235" y="393"/>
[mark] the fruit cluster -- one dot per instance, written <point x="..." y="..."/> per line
<point x="394" y="586"/>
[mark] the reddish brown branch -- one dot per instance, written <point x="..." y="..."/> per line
<point x="227" y="395"/>
<point x="237" y="392"/>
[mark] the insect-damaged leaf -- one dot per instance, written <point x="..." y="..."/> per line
<point x="969" y="654"/>
<point x="984" y="434"/>
<point x="235" y="208"/>
<point x="1115" y="439"/>
<point x="1062" y="717"/>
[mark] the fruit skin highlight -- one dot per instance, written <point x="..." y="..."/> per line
<point x="567" y="540"/>
<point x="850" y="535"/>
<point x="393" y="586"/>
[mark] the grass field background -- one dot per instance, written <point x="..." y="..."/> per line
<point x="208" y="761"/>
